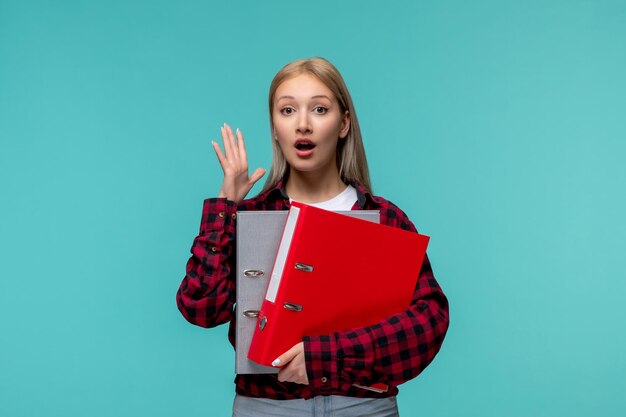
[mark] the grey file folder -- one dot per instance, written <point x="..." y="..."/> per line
<point x="258" y="237"/>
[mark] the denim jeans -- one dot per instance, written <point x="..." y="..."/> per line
<point x="320" y="406"/>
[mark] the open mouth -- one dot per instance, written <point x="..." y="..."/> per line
<point x="304" y="145"/>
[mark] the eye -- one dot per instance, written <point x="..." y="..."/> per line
<point x="320" y="110"/>
<point x="287" y="110"/>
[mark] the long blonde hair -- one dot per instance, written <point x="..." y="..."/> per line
<point x="351" y="160"/>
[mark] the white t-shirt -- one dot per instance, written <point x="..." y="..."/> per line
<point x="342" y="201"/>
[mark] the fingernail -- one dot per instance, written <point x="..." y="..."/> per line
<point x="276" y="362"/>
<point x="237" y="132"/>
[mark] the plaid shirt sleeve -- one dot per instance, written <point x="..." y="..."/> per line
<point x="392" y="351"/>
<point x="207" y="293"/>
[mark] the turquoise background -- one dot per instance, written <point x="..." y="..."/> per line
<point x="498" y="126"/>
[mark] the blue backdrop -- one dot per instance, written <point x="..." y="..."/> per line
<point x="498" y="126"/>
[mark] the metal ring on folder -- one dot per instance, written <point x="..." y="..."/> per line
<point x="304" y="267"/>
<point x="293" y="307"/>
<point x="253" y="273"/>
<point x="251" y="313"/>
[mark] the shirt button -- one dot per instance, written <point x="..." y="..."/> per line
<point x="234" y="216"/>
<point x="324" y="380"/>
<point x="221" y="214"/>
<point x="213" y="249"/>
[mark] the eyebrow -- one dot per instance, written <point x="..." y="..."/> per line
<point x="317" y="96"/>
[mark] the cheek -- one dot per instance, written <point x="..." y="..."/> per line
<point x="282" y="144"/>
<point x="329" y="129"/>
<point x="282" y="127"/>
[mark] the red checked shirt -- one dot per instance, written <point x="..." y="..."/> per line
<point x="392" y="351"/>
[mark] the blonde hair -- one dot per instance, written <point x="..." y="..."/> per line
<point x="351" y="160"/>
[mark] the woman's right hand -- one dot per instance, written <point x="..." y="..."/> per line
<point x="234" y="162"/>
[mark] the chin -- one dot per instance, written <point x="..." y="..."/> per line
<point x="308" y="167"/>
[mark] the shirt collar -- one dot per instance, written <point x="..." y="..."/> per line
<point x="364" y="196"/>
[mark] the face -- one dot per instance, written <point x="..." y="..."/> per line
<point x="308" y="124"/>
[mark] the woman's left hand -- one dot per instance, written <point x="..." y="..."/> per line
<point x="292" y="365"/>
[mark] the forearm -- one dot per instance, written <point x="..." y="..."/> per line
<point x="206" y="294"/>
<point x="392" y="351"/>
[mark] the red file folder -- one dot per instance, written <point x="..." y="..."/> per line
<point x="333" y="272"/>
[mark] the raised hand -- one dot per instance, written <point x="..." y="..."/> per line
<point x="234" y="162"/>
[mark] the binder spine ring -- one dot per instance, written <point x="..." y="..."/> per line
<point x="253" y="273"/>
<point x="251" y="313"/>
<point x="304" y="267"/>
<point x="293" y="307"/>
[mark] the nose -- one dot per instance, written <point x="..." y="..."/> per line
<point x="304" y="125"/>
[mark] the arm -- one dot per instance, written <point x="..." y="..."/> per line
<point x="207" y="293"/>
<point x="392" y="351"/>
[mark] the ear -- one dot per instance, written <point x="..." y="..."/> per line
<point x="345" y="125"/>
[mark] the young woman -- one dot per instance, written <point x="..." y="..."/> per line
<point x="318" y="159"/>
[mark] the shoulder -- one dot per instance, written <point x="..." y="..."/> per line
<point x="391" y="214"/>
<point x="273" y="199"/>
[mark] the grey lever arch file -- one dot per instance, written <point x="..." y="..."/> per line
<point x="258" y="237"/>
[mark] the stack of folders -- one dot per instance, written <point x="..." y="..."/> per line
<point x="258" y="238"/>
<point x="332" y="273"/>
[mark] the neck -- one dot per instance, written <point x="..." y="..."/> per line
<point x="310" y="187"/>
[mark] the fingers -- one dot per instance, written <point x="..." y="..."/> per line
<point x="226" y="141"/>
<point x="292" y="364"/>
<point x="233" y="160"/>
<point x="235" y="150"/>
<point x="290" y="373"/>
<point x="232" y="152"/>
<point x="286" y="357"/>
<point x="218" y="151"/>
<point x="241" y="146"/>
<point x="257" y="175"/>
